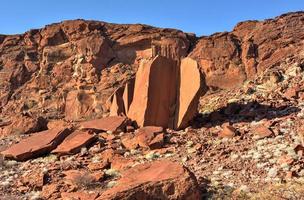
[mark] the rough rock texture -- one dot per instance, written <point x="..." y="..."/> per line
<point x="156" y="180"/>
<point x="37" y="144"/>
<point x="228" y="59"/>
<point x="68" y="70"/>
<point x="56" y="68"/>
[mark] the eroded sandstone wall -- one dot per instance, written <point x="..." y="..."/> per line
<point x="42" y="69"/>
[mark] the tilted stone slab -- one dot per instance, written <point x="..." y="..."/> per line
<point x="36" y="145"/>
<point x="74" y="142"/>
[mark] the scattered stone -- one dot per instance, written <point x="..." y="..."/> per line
<point x="82" y="178"/>
<point x="262" y="131"/>
<point x="228" y="131"/>
<point x="51" y="190"/>
<point x="147" y="137"/>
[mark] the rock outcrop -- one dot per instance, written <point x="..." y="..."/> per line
<point x="69" y="70"/>
<point x="230" y="58"/>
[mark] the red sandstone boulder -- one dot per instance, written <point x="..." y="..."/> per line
<point x="37" y="144"/>
<point x="155" y="93"/>
<point x="155" y="180"/>
<point x="74" y="142"/>
<point x="112" y="123"/>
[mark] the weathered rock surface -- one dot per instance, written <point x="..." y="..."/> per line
<point x="155" y="180"/>
<point x="57" y="67"/>
<point x="69" y="69"/>
<point x="74" y="142"/>
<point x="79" y="105"/>
<point x="228" y="59"/>
<point x="37" y="144"/>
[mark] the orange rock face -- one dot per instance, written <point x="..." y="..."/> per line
<point x="33" y="146"/>
<point x="79" y="104"/>
<point x="228" y="59"/>
<point x="152" y="181"/>
<point x="70" y="69"/>
<point x="154" y="93"/>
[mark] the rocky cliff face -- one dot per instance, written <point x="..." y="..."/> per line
<point x="70" y="69"/>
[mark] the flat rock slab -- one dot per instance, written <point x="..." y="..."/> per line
<point x="36" y="145"/>
<point x="156" y="180"/>
<point x="74" y="142"/>
<point x="112" y="123"/>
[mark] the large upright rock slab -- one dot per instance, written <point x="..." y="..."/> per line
<point x="156" y="180"/>
<point x="155" y="93"/>
<point x="189" y="92"/>
<point x="37" y="144"/>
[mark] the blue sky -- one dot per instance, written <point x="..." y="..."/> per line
<point x="202" y="17"/>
